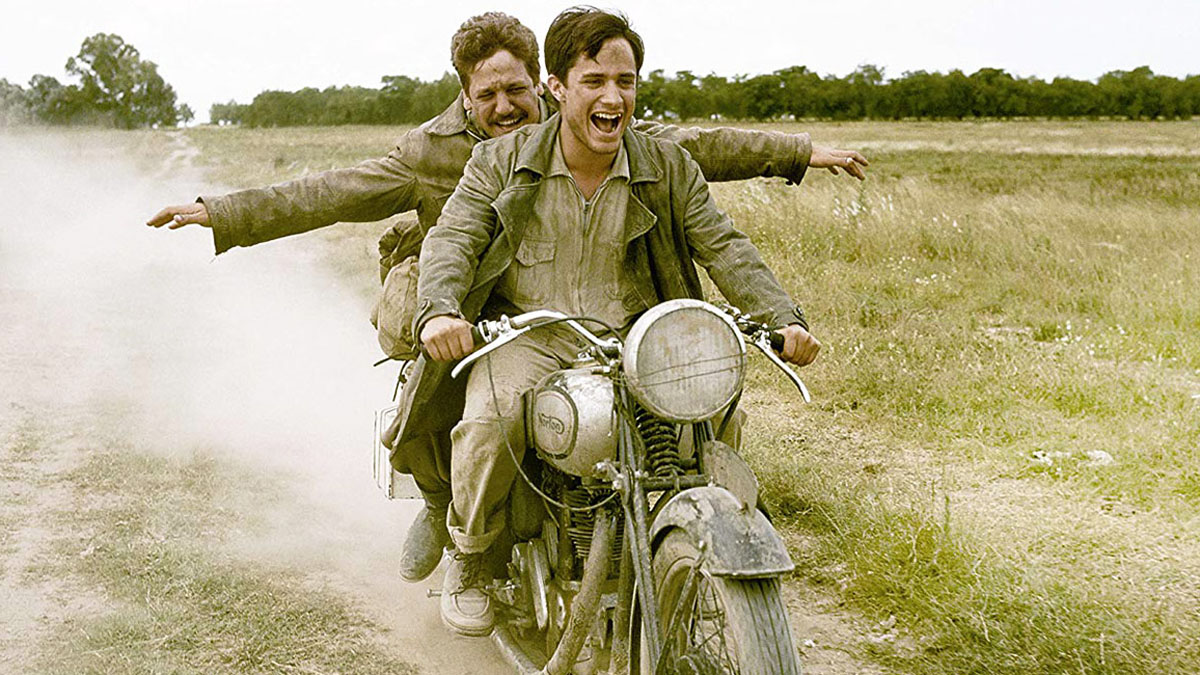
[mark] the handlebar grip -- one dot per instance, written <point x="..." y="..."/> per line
<point x="476" y="339"/>
<point x="776" y="341"/>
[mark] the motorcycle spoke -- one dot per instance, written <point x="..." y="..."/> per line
<point x="696" y="635"/>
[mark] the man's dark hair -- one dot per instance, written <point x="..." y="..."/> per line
<point x="584" y="30"/>
<point x="482" y="36"/>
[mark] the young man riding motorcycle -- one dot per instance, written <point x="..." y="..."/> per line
<point x="583" y="215"/>
<point x="496" y="58"/>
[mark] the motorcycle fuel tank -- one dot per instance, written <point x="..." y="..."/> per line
<point x="570" y="421"/>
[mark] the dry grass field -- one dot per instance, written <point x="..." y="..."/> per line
<point x="1000" y="467"/>
<point x="999" y="472"/>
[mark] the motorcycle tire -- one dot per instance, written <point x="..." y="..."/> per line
<point x="729" y="625"/>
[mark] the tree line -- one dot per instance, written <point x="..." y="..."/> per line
<point x="119" y="88"/>
<point x="116" y="88"/>
<point x="401" y="100"/>
<point x="791" y="93"/>
<point x="798" y="92"/>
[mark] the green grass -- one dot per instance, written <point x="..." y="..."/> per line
<point x="151" y="540"/>
<point x="978" y="311"/>
<point x="995" y="302"/>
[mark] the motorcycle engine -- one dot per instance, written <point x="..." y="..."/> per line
<point x="569" y="420"/>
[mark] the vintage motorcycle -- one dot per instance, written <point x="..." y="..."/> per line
<point x="638" y="546"/>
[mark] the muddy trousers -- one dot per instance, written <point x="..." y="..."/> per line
<point x="485" y="443"/>
<point x="427" y="459"/>
<point x="492" y="433"/>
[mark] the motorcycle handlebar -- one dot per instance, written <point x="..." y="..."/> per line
<point x="776" y="341"/>
<point x="477" y="339"/>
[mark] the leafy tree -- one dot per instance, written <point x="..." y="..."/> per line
<point x="997" y="94"/>
<point x="651" y="99"/>
<point x="226" y="113"/>
<point x="429" y="99"/>
<point x="14" y="103"/>
<point x="50" y="101"/>
<point x="118" y="84"/>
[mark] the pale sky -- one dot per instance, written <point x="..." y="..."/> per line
<point x="218" y="50"/>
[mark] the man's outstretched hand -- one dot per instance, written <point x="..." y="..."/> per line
<point x="447" y="338"/>
<point x="799" y="347"/>
<point x="175" y="217"/>
<point x="833" y="159"/>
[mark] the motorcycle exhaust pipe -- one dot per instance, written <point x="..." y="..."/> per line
<point x="583" y="608"/>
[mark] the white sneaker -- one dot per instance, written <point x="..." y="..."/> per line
<point x="466" y="608"/>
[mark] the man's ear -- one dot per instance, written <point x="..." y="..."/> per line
<point x="538" y="89"/>
<point x="557" y="89"/>
<point x="466" y="101"/>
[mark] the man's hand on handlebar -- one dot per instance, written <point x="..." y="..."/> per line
<point x="175" y="217"/>
<point x="447" y="338"/>
<point x="799" y="347"/>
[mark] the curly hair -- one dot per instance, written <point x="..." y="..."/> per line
<point x="583" y="30"/>
<point x="482" y="36"/>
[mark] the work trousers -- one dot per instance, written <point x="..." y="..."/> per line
<point x="427" y="458"/>
<point x="492" y="432"/>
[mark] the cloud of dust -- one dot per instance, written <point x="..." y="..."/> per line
<point x="258" y="355"/>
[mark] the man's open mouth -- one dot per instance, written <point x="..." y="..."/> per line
<point x="607" y="123"/>
<point x="508" y="123"/>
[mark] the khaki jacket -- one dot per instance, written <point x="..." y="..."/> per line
<point x="671" y="224"/>
<point x="422" y="170"/>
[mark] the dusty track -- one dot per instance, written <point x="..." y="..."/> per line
<point x="258" y="356"/>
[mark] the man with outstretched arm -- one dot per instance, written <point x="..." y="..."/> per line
<point x="496" y="58"/>
<point x="583" y="215"/>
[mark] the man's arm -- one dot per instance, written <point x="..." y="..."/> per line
<point x="737" y="268"/>
<point x="726" y="154"/>
<point x="371" y="190"/>
<point x="450" y="256"/>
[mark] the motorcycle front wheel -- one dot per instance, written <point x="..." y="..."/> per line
<point x="716" y="625"/>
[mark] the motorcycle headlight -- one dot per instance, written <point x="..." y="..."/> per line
<point x="684" y="360"/>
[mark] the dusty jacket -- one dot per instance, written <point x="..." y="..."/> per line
<point x="422" y="170"/>
<point x="671" y="221"/>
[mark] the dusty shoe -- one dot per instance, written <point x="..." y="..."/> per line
<point x="466" y="609"/>
<point x="427" y="536"/>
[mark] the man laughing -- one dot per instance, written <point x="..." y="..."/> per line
<point x="583" y="215"/>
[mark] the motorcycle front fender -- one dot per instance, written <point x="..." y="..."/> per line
<point x="735" y="540"/>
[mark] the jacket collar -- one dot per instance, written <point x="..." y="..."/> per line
<point x="535" y="155"/>
<point x="454" y="119"/>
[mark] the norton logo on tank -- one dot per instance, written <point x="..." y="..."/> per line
<point x="554" y="424"/>
<point x="572" y="409"/>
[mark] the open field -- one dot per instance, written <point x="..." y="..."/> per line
<point x="1000" y="472"/>
<point x="1003" y="449"/>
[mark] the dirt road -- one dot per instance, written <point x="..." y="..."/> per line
<point x="137" y="370"/>
<point x="111" y="329"/>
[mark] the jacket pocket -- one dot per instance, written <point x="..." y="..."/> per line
<point x="527" y="282"/>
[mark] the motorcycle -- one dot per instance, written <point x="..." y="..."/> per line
<point x="637" y="541"/>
